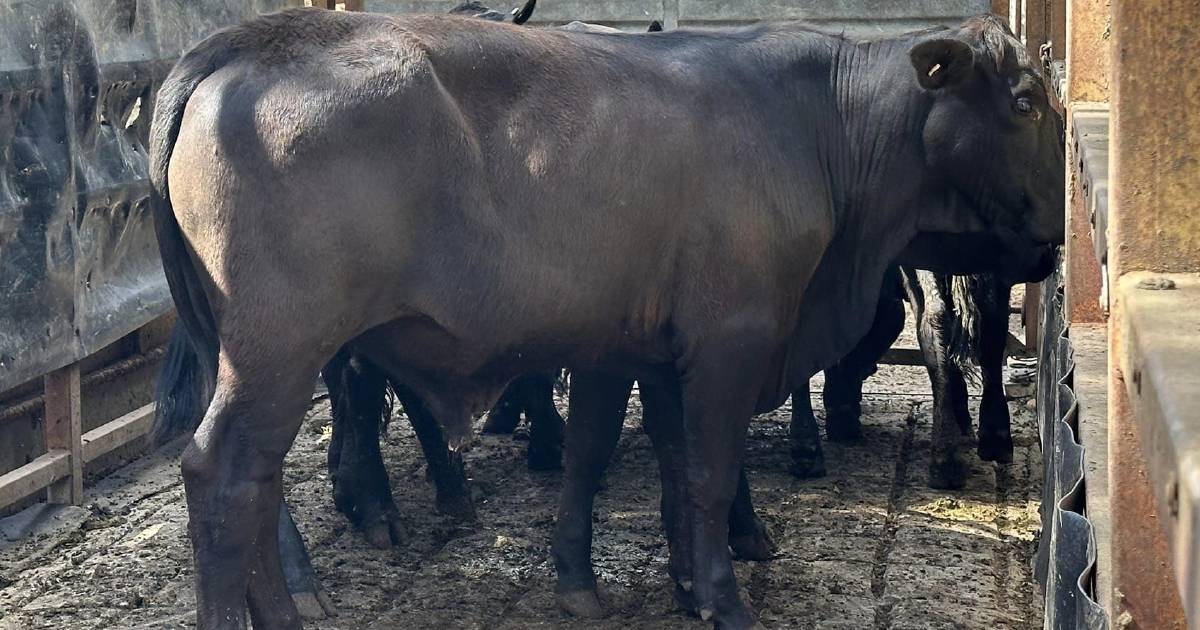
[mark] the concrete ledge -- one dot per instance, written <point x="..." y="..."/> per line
<point x="1161" y="332"/>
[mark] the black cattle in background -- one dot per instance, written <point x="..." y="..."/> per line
<point x="962" y="328"/>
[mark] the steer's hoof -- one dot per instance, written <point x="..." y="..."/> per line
<point x="458" y="506"/>
<point x="685" y="599"/>
<point x="543" y="459"/>
<point x="996" y="449"/>
<point x="757" y="546"/>
<point x="384" y="533"/>
<point x="585" y="604"/>
<point x="502" y="422"/>
<point x="314" y="605"/>
<point x="807" y="465"/>
<point x="843" y="428"/>
<point x="948" y="473"/>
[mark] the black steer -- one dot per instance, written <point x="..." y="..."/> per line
<point x="554" y="202"/>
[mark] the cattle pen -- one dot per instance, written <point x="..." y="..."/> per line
<point x="1093" y="524"/>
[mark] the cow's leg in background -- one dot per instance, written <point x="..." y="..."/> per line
<point x="311" y="600"/>
<point x="995" y="432"/>
<point x="545" y="424"/>
<point x="808" y="458"/>
<point x="933" y="310"/>
<point x="533" y="395"/>
<point x="748" y="535"/>
<point x="844" y="380"/>
<point x="662" y="418"/>
<point x="505" y="415"/>
<point x="597" y="411"/>
<point x="445" y="466"/>
<point x="361" y="488"/>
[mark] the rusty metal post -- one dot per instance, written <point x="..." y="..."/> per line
<point x="63" y="429"/>
<point x="1087" y="52"/>
<point x="1153" y="226"/>
<point x="1057" y="23"/>
<point x="1001" y="8"/>
<point x="1034" y="25"/>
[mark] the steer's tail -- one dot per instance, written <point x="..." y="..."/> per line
<point x="963" y="296"/>
<point x="188" y="378"/>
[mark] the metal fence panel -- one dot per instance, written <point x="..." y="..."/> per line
<point x="79" y="266"/>
<point x="1066" y="553"/>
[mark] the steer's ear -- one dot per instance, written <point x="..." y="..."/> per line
<point x="942" y="62"/>
<point x="521" y="15"/>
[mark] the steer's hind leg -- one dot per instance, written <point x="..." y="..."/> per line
<point x="446" y="467"/>
<point x="232" y="472"/>
<point x="808" y="460"/>
<point x="545" y="425"/>
<point x="597" y="409"/>
<point x="995" y="428"/>
<point x="361" y="488"/>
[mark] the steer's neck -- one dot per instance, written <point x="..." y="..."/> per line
<point x="871" y="157"/>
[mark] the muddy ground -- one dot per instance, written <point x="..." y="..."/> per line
<point x="869" y="546"/>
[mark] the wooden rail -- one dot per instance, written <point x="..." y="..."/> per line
<point x="60" y="470"/>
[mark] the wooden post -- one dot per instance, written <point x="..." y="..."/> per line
<point x="1154" y="138"/>
<point x="63" y="430"/>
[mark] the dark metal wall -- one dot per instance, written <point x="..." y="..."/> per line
<point x="78" y="264"/>
<point x="1066" y="550"/>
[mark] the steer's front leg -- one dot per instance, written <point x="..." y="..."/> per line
<point x="721" y="381"/>
<point x="597" y="409"/>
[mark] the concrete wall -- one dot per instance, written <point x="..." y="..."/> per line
<point x="856" y="17"/>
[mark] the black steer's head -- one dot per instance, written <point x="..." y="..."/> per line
<point x="993" y="147"/>
<point x="477" y="9"/>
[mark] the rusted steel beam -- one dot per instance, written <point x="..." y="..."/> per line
<point x="1087" y="195"/>
<point x="1001" y="8"/>
<point x="1153" y="227"/>
<point x="63" y="429"/>
<point x="1035" y="25"/>
<point x="1088" y="34"/>
<point x="1057" y="24"/>
<point x="1155" y="136"/>
<point x="1160" y="335"/>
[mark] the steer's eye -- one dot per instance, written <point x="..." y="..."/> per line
<point x="1025" y="107"/>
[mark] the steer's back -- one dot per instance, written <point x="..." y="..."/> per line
<point x="371" y="168"/>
